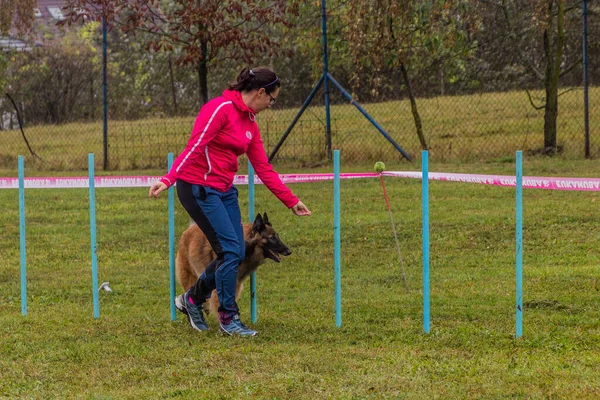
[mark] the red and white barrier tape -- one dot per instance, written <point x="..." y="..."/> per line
<point x="78" y="182"/>
<point x="529" y="182"/>
<point x="301" y="178"/>
<point x="147" y="181"/>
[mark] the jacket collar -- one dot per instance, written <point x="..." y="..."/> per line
<point x="236" y="99"/>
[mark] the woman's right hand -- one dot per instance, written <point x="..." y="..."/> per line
<point x="300" y="209"/>
<point x="156" y="188"/>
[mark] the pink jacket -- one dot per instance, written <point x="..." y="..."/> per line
<point x="225" y="129"/>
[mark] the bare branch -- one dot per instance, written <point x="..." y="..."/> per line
<point x="566" y="91"/>
<point x="161" y="32"/>
<point x="20" y="121"/>
<point x="571" y="67"/>
<point x="531" y="101"/>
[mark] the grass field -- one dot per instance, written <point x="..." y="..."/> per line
<point x="134" y="351"/>
<point x="468" y="128"/>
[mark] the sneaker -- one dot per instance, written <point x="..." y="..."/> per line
<point x="180" y="305"/>
<point x="236" y="327"/>
<point x="193" y="313"/>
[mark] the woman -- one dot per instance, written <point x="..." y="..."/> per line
<point x="224" y="129"/>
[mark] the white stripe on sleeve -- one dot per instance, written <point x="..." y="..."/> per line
<point x="201" y="135"/>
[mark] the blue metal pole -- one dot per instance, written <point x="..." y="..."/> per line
<point x="519" y="244"/>
<point x="366" y="114"/>
<point x="336" y="238"/>
<point x="92" y="190"/>
<point x="171" y="243"/>
<point x="326" y="77"/>
<point x="253" y="310"/>
<point x="586" y="105"/>
<point x="21" y="164"/>
<point x="425" y="207"/>
<point x="296" y="118"/>
<point x="104" y="93"/>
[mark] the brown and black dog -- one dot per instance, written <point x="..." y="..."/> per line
<point x="195" y="253"/>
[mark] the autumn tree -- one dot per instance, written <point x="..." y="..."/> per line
<point x="207" y="31"/>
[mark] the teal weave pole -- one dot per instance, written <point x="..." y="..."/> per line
<point x="337" y="238"/>
<point x="92" y="191"/>
<point x="23" y="250"/>
<point x="519" y="244"/>
<point x="253" y="306"/>
<point x="171" y="211"/>
<point x="425" y="208"/>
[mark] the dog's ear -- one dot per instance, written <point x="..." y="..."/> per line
<point x="258" y="224"/>
<point x="265" y="219"/>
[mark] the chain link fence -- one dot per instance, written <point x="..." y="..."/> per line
<point x="479" y="108"/>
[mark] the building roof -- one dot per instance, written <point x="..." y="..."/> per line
<point x="49" y="12"/>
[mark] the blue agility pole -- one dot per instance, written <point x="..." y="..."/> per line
<point x="171" y="243"/>
<point x="92" y="190"/>
<point x="336" y="237"/>
<point x="23" y="251"/>
<point x="519" y="245"/>
<point x="251" y="219"/>
<point x="425" y="207"/>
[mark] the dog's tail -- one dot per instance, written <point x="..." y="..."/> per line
<point x="183" y="269"/>
<point x="183" y="272"/>
<point x="182" y="263"/>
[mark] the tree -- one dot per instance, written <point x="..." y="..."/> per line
<point x="543" y="24"/>
<point x="52" y="82"/>
<point x="207" y="31"/>
<point x="399" y="34"/>
<point x="16" y="15"/>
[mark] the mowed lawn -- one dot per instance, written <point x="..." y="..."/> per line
<point x="134" y="351"/>
<point x="467" y="128"/>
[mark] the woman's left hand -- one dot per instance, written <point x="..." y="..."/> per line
<point x="300" y="209"/>
<point x="156" y="188"/>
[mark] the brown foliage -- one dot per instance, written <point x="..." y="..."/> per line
<point x="201" y="28"/>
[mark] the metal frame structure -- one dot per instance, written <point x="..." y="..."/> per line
<point x="326" y="79"/>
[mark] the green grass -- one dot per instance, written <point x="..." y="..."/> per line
<point x="134" y="351"/>
<point x="489" y="126"/>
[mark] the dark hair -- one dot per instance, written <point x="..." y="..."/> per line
<point x="252" y="79"/>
